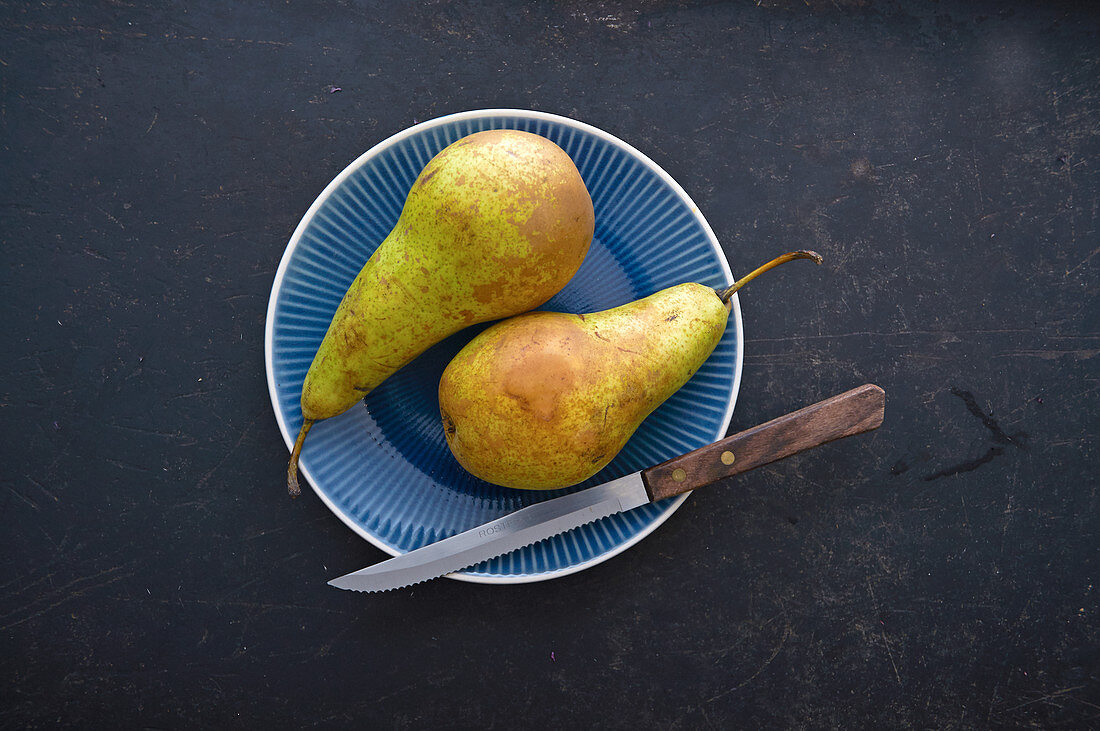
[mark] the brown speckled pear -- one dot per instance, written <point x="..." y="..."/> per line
<point x="546" y="399"/>
<point x="495" y="225"/>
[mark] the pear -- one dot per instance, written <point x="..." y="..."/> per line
<point x="546" y="399"/>
<point x="495" y="225"/>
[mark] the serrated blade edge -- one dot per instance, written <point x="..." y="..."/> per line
<point x="505" y="534"/>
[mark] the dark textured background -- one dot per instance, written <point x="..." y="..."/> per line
<point x="939" y="573"/>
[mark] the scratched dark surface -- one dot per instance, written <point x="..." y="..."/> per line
<point x="939" y="573"/>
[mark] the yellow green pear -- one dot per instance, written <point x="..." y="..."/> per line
<point x="495" y="225"/>
<point x="546" y="399"/>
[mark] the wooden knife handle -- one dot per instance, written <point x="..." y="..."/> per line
<point x="852" y="412"/>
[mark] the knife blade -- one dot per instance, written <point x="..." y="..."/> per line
<point x="853" y="412"/>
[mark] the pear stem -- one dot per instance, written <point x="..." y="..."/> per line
<point x="292" y="468"/>
<point x="791" y="256"/>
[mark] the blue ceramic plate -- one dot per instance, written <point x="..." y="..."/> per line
<point x="383" y="467"/>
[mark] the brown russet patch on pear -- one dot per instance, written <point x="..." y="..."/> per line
<point x="427" y="175"/>
<point x="527" y="273"/>
<point x="485" y="293"/>
<point x="538" y="385"/>
<point x="544" y="227"/>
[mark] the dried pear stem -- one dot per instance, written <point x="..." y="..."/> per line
<point x="292" y="468"/>
<point x="728" y="293"/>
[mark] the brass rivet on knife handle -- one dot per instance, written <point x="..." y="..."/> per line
<point x="852" y="412"/>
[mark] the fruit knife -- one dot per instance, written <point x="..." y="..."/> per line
<point x="853" y="412"/>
